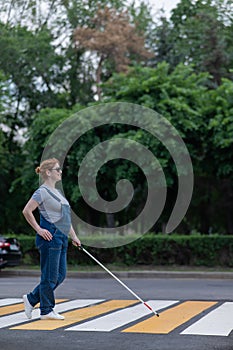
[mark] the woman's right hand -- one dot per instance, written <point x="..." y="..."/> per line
<point x="45" y="234"/>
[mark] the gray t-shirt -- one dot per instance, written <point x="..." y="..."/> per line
<point x="49" y="207"/>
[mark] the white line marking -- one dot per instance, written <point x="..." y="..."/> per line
<point x="122" y="317"/>
<point x="20" y="317"/>
<point x="9" y="301"/>
<point x="218" y="322"/>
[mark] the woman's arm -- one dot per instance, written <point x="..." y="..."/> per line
<point x="74" y="237"/>
<point x="28" y="214"/>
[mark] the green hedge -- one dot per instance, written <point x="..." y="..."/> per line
<point x="151" y="249"/>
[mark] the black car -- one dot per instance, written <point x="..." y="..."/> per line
<point x="10" y="253"/>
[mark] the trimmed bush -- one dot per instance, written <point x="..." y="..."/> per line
<point x="151" y="249"/>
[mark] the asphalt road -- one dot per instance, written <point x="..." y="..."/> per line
<point x="182" y="290"/>
<point x="108" y="288"/>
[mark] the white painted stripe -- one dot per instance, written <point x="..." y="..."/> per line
<point x="20" y="317"/>
<point x="9" y="301"/>
<point x="122" y="317"/>
<point x="218" y="322"/>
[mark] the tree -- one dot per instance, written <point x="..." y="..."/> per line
<point x="4" y="161"/>
<point x="54" y="71"/>
<point x="197" y="33"/>
<point x="181" y="96"/>
<point x="203" y="119"/>
<point x="220" y="108"/>
<point x="35" y="80"/>
<point x="11" y="160"/>
<point x="114" y="41"/>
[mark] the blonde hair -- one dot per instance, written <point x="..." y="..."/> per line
<point x="47" y="164"/>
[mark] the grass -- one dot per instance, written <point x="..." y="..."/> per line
<point x="113" y="267"/>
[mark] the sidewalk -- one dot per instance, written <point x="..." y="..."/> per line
<point x="183" y="272"/>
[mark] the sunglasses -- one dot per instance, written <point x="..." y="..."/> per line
<point x="57" y="169"/>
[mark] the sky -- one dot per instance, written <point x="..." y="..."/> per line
<point x="167" y="5"/>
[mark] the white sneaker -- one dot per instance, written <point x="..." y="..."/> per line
<point x="27" y="307"/>
<point x="52" y="316"/>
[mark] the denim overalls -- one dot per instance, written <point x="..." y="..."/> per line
<point x="52" y="258"/>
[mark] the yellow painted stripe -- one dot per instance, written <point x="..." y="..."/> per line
<point x="76" y="316"/>
<point x="171" y="318"/>
<point x="10" y="309"/>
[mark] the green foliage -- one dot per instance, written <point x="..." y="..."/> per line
<point x="44" y="78"/>
<point x="33" y="69"/>
<point x="42" y="126"/>
<point x="11" y="160"/>
<point x="194" y="250"/>
<point x="198" y="33"/>
<point x="220" y="107"/>
<point x="203" y="119"/>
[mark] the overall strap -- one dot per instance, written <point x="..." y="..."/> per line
<point x="52" y="194"/>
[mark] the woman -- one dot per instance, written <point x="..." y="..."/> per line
<point x="51" y="238"/>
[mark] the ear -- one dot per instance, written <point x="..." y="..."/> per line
<point x="48" y="173"/>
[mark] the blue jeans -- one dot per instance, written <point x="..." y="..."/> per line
<point x="53" y="270"/>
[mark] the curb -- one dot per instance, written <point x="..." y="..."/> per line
<point x="127" y="274"/>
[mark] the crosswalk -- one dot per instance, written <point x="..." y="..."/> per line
<point x="190" y="317"/>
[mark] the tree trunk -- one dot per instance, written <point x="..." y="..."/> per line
<point x="229" y="206"/>
<point x="110" y="220"/>
<point x="98" y="77"/>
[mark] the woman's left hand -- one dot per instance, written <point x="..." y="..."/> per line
<point x="76" y="242"/>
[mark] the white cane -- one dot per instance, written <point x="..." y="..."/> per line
<point x="118" y="280"/>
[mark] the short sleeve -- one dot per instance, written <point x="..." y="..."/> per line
<point x="37" y="196"/>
